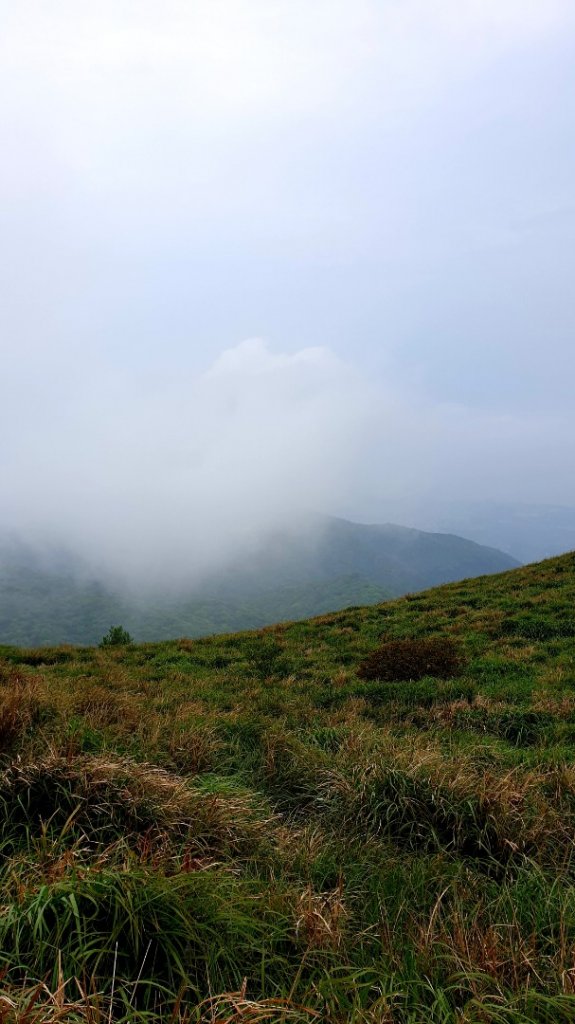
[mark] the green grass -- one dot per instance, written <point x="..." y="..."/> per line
<point x="240" y="828"/>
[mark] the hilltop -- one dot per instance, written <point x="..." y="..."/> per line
<point x="325" y="564"/>
<point x="244" y="828"/>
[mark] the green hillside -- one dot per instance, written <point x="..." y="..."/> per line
<point x="246" y="828"/>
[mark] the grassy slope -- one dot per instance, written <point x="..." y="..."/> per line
<point x="179" y="817"/>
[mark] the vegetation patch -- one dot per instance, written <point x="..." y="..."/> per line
<point x="412" y="659"/>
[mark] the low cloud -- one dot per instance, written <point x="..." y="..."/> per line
<point x="158" y="479"/>
<point x="394" y="177"/>
<point x="162" y="481"/>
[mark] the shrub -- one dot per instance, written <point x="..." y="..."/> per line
<point x="116" y="636"/>
<point x="412" y="659"/>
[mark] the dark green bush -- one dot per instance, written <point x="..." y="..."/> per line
<point x="410" y="659"/>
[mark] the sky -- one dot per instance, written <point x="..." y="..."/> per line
<point x="259" y="256"/>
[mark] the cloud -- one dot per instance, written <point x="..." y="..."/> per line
<point x="167" y="480"/>
<point x="424" y="450"/>
<point x="176" y="176"/>
<point x="253" y="357"/>
<point x="159" y="479"/>
<point x="101" y="77"/>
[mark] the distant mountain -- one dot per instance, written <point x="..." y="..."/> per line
<point x="529" y="532"/>
<point x="402" y="559"/>
<point x="333" y="565"/>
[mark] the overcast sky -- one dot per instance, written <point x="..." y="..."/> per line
<point x="281" y="252"/>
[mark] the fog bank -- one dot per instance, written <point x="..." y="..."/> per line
<point x="160" y="480"/>
<point x="382" y="190"/>
<point x="157" y="480"/>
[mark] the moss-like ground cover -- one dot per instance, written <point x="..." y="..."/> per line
<point x="240" y="828"/>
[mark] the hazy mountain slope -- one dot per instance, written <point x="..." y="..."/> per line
<point x="529" y="532"/>
<point x="293" y="576"/>
<point x="404" y="559"/>
<point x="396" y="558"/>
<point x="40" y="606"/>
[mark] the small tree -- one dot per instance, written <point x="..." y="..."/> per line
<point x="116" y="637"/>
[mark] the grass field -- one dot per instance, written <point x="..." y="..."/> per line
<point x="242" y="828"/>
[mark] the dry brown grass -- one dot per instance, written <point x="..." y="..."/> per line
<point x="193" y="748"/>
<point x="39" y="1005"/>
<point x="341" y="678"/>
<point x="481" y="949"/>
<point x="127" y="797"/>
<point x="320" y="918"/>
<point x="423" y="800"/>
<point x="103" y="706"/>
<point x="19" y="707"/>
<point x="562" y="708"/>
<point x="236" y="1008"/>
